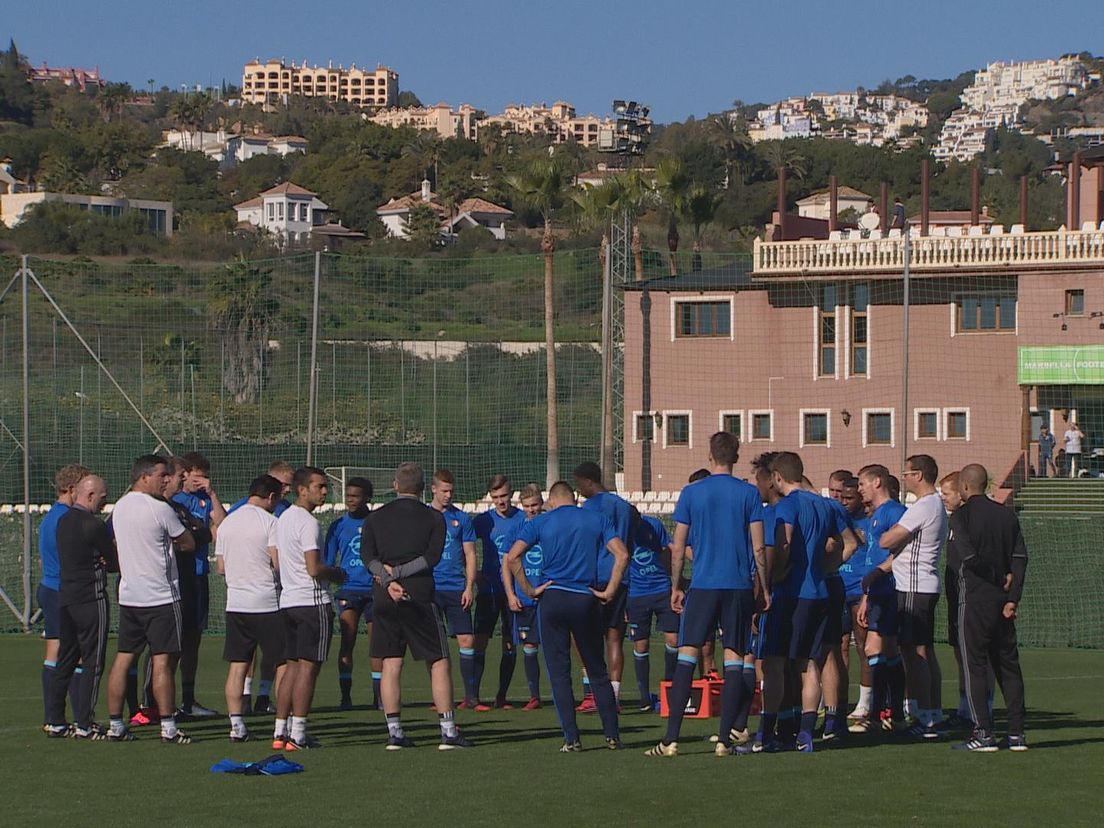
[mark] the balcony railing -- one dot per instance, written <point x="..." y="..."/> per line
<point x="1058" y="248"/>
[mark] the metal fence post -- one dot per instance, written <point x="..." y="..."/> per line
<point x="312" y="391"/>
<point x="26" y="449"/>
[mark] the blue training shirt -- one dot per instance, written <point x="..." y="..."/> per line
<point x="853" y="569"/>
<point x="47" y="546"/>
<point x="282" y="506"/>
<point x="533" y="564"/>
<point x="647" y="575"/>
<point x="813" y="521"/>
<point x="719" y="510"/>
<point x="496" y="532"/>
<point x="199" y="505"/>
<point x="884" y="517"/>
<point x="448" y="575"/>
<point x="571" y="540"/>
<point x="623" y="516"/>
<point x="342" y="548"/>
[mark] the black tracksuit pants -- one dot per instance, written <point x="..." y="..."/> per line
<point x="83" y="641"/>
<point x="987" y="638"/>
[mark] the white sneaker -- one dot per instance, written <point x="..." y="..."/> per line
<point x="859" y="712"/>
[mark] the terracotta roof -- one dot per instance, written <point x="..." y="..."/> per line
<point x="844" y="192"/>
<point x="480" y="205"/>
<point x="260" y="137"/>
<point x="245" y="205"/>
<point x="291" y="138"/>
<point x="336" y="230"/>
<point x="406" y="202"/>
<point x="287" y="188"/>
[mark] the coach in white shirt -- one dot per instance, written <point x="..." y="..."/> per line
<point x="305" y="604"/>
<point x="1071" y="442"/>
<point x="146" y="528"/>
<point x="915" y="542"/>
<point x="245" y="553"/>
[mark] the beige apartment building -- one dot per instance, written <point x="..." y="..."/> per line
<point x="804" y="351"/>
<point x="559" y="121"/>
<point x="442" y="119"/>
<point x="275" y="80"/>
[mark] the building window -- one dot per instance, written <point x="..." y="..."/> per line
<point x="985" y="312"/>
<point x="956" y="424"/>
<point x="733" y="423"/>
<point x="762" y="425"/>
<point x="271" y="211"/>
<point x="303" y="212"/>
<point x="877" y="427"/>
<point x="926" y="424"/>
<point x="860" y="300"/>
<point x="676" y="429"/>
<point x="703" y="319"/>
<point x="643" y="426"/>
<point x="814" y="428"/>
<point x="826" y="332"/>
<point x="1075" y="303"/>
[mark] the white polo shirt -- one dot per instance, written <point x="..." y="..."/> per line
<point x="916" y="567"/>
<point x="244" y="538"/>
<point x="298" y="532"/>
<point x="145" y="527"/>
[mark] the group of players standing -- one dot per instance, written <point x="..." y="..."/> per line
<point x="784" y="577"/>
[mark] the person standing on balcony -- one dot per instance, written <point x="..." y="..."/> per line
<point x="1071" y="441"/>
<point x="1046" y="452"/>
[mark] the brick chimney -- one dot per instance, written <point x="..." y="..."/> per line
<point x="427" y="193"/>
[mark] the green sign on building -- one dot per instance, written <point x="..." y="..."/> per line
<point x="1062" y="365"/>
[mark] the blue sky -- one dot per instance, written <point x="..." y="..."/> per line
<point x="684" y="58"/>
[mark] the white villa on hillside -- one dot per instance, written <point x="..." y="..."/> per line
<point x="288" y="211"/>
<point x="471" y="212"/>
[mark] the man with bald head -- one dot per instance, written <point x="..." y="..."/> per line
<point x="992" y="561"/>
<point x="85" y="554"/>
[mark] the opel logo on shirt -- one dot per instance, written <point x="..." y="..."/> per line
<point x="534" y="557"/>
<point x="643" y="557"/>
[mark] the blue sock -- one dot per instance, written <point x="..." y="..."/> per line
<point x="506" y="667"/>
<point x="678" y="695"/>
<point x="670" y="660"/>
<point x="586" y="686"/>
<point x="831" y="713"/>
<point x="74" y="690"/>
<point x="896" y="669"/>
<point x="480" y="666"/>
<point x="532" y="670"/>
<point x="642" y="666"/>
<point x="879" y="685"/>
<point x="808" y="723"/>
<point x="748" y="679"/>
<point x="375" y="688"/>
<point x="467" y="672"/>
<point x="732" y="695"/>
<point x="345" y="682"/>
<point x="49" y="668"/>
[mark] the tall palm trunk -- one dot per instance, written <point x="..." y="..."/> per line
<point x="672" y="245"/>
<point x="638" y="253"/>
<point x="548" y="248"/>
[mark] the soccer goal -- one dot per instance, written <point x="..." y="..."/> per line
<point x="338" y="476"/>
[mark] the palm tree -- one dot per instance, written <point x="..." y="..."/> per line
<point x="112" y="98"/>
<point x="729" y="134"/>
<point x="701" y="208"/>
<point x="783" y="155"/>
<point x="425" y="149"/>
<point x="672" y="184"/>
<point x="542" y="184"/>
<point x="242" y="308"/>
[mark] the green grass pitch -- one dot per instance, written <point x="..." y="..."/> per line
<point x="515" y="774"/>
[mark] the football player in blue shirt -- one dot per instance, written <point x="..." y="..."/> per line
<point x="354" y="596"/>
<point x="495" y="528"/>
<point x="650" y="597"/>
<point x="571" y="542"/>
<point x="623" y="515"/>
<point x="526" y="628"/>
<point x="721" y="518"/>
<point x="878" y="606"/>
<point x="810" y="527"/>
<point x="834" y="676"/>
<point x="65" y="483"/>
<point x="199" y="498"/>
<point x="851" y="572"/>
<point x="454" y="579"/>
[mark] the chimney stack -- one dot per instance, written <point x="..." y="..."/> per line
<point x="1073" y="193"/>
<point x="975" y="196"/>
<point x="427" y="193"/>
<point x="833" y="204"/>
<point x="781" y="204"/>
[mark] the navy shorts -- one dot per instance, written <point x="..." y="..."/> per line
<point x="526" y="628"/>
<point x="459" y="620"/>
<point x="358" y="602"/>
<point x="51" y="612"/>
<point x="704" y="610"/>
<point x="837" y="608"/>
<point x="810" y="624"/>
<point x="847" y="622"/>
<point x="775" y="628"/>
<point x="881" y="613"/>
<point x="642" y="608"/>
<point x="489" y="608"/>
<point x="613" y="612"/>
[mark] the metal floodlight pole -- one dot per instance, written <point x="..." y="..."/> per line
<point x="606" y="443"/>
<point x="26" y="449"/>
<point x="312" y="391"/>
<point x="906" y="256"/>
